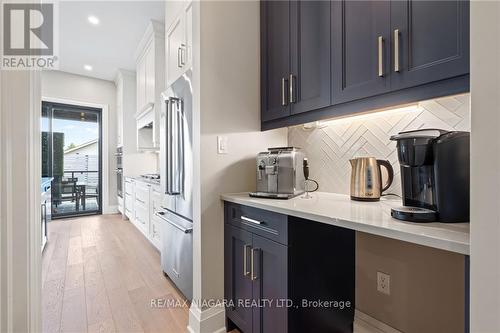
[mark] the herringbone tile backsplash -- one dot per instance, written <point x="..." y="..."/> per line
<point x="330" y="147"/>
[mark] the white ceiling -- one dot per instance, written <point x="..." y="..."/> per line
<point x="109" y="45"/>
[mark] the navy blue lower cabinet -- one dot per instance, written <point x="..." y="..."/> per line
<point x="238" y="286"/>
<point x="269" y="279"/>
<point x="285" y="274"/>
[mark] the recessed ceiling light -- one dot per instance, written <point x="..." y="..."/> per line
<point x="87" y="67"/>
<point x="94" y="20"/>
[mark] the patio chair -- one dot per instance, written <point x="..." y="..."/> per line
<point x="91" y="192"/>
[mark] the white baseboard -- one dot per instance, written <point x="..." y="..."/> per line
<point x="364" y="323"/>
<point x="211" y="320"/>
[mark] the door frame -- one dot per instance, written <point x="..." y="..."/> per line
<point x="98" y="112"/>
<point x="105" y="154"/>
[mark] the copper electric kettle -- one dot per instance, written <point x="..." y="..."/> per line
<point x="366" y="178"/>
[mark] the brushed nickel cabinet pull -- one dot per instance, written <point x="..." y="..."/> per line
<point x="245" y="251"/>
<point x="253" y="277"/>
<point x="291" y="81"/>
<point x="396" y="50"/>
<point x="380" y="56"/>
<point x="244" y="218"/>
<point x="283" y="92"/>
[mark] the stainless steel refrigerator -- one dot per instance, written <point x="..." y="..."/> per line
<point x="176" y="164"/>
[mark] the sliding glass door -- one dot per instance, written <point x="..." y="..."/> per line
<point x="72" y="156"/>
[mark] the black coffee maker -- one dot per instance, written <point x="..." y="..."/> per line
<point x="434" y="175"/>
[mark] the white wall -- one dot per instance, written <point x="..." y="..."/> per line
<point x="485" y="159"/>
<point x="227" y="103"/>
<point x="61" y="85"/>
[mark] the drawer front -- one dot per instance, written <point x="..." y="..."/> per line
<point x="129" y="188"/>
<point x="156" y="229"/>
<point x="267" y="224"/>
<point x="129" y="212"/>
<point x="155" y="206"/>
<point x="141" y="217"/>
<point x="129" y="202"/>
<point x="156" y="193"/>
<point x="140" y="202"/>
<point x="142" y="193"/>
<point x="155" y="199"/>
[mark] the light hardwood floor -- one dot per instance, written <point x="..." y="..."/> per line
<point x="99" y="274"/>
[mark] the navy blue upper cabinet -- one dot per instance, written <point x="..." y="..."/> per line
<point x="310" y="76"/>
<point x="275" y="59"/>
<point x="322" y="59"/>
<point x="430" y="41"/>
<point x="295" y="57"/>
<point x="361" y="46"/>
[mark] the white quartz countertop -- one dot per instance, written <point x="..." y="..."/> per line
<point x="144" y="180"/>
<point x="369" y="217"/>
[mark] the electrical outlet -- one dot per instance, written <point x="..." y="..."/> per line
<point x="222" y="145"/>
<point x="383" y="283"/>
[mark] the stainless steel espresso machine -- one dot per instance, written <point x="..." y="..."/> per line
<point x="280" y="173"/>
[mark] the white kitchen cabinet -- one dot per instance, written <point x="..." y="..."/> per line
<point x="125" y="82"/>
<point x="150" y="66"/>
<point x="155" y="225"/>
<point x="129" y="198"/>
<point x="142" y="201"/>
<point x="149" y="69"/>
<point x="141" y="83"/>
<point x="179" y="44"/>
<point x="142" y="219"/>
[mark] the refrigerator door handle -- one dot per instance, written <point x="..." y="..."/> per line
<point x="168" y="136"/>
<point x="181" y="228"/>
<point x="182" y="172"/>
<point x="174" y="146"/>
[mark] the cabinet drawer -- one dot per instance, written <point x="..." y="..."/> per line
<point x="129" y="202"/>
<point x="155" y="206"/>
<point x="142" y="191"/>
<point x="140" y="202"/>
<point x="129" y="185"/>
<point x="156" y="193"/>
<point x="267" y="224"/>
<point x="141" y="216"/>
<point x="155" y="229"/>
<point x="155" y="199"/>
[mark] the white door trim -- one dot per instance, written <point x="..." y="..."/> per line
<point x="106" y="208"/>
<point x="20" y="214"/>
